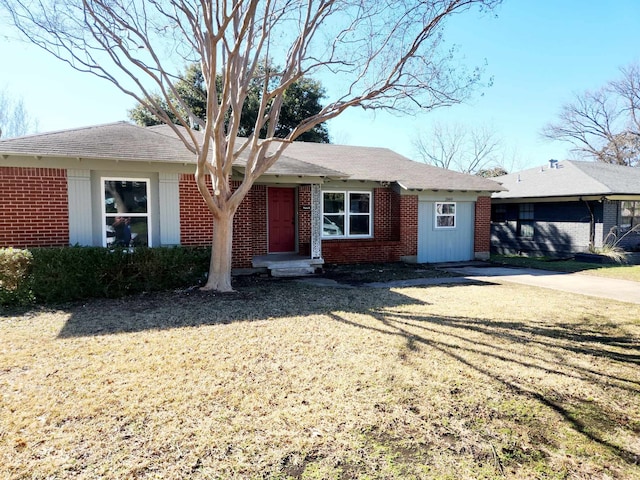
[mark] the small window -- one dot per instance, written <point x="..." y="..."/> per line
<point x="525" y="220"/>
<point x="445" y="215"/>
<point x="126" y="212"/>
<point x="346" y="214"/>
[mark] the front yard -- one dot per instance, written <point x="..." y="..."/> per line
<point x="283" y="380"/>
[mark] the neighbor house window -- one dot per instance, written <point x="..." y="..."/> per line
<point x="346" y="214"/>
<point x="525" y="220"/>
<point x="126" y="221"/>
<point x="445" y="215"/>
<point x="498" y="214"/>
<point x="629" y="214"/>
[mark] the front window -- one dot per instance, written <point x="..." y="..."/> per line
<point x="126" y="212"/>
<point x="525" y="220"/>
<point x="445" y="215"/>
<point x="629" y="215"/>
<point x="346" y="214"/>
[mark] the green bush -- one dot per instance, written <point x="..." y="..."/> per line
<point x="76" y="273"/>
<point x="14" y="276"/>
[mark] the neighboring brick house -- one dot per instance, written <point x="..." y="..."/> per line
<point x="121" y="184"/>
<point x="562" y="207"/>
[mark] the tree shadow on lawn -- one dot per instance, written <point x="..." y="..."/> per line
<point x="273" y="299"/>
<point x="585" y="415"/>
<point x="263" y="300"/>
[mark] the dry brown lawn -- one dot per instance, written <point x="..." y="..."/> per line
<point x="287" y="381"/>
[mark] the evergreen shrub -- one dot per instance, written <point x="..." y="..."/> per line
<point x="76" y="273"/>
<point x="15" y="287"/>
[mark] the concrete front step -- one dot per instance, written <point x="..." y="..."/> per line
<point x="288" y="265"/>
<point x="292" y="271"/>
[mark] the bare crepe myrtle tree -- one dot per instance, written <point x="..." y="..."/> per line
<point x="604" y="125"/>
<point x="379" y="54"/>
<point x="460" y="147"/>
<point x="14" y="119"/>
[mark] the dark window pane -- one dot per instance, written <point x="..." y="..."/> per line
<point x="498" y="213"/>
<point x="139" y="232"/>
<point x="125" y="196"/>
<point x="118" y="231"/>
<point x="359" y="225"/>
<point x="525" y="228"/>
<point x="359" y="202"/>
<point x="333" y="202"/>
<point x="526" y="211"/>
<point x="127" y="232"/>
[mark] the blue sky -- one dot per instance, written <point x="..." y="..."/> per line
<point x="537" y="52"/>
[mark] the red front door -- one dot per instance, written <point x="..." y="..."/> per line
<point x="282" y="228"/>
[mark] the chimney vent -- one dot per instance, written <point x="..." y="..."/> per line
<point x="553" y="163"/>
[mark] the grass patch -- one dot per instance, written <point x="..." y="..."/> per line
<point x="283" y="381"/>
<point x="623" y="272"/>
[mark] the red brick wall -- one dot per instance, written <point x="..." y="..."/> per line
<point x="196" y="221"/>
<point x="249" y="223"/>
<point x="395" y="226"/>
<point x="250" y="226"/>
<point x="386" y="214"/>
<point x="259" y="219"/>
<point x="35" y="209"/>
<point x="396" y="236"/>
<point x="482" y="231"/>
<point x="409" y="224"/>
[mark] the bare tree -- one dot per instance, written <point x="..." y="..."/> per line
<point x="458" y="147"/>
<point x="14" y="119"/>
<point x="604" y="125"/>
<point x="382" y="54"/>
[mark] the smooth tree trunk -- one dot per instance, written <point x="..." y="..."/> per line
<point x="219" y="278"/>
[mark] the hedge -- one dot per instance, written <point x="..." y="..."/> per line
<point x="14" y="276"/>
<point x="57" y="275"/>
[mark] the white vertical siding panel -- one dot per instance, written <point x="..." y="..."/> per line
<point x="169" y="209"/>
<point x="79" y="197"/>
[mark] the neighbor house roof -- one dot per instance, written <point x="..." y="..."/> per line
<point x="571" y="179"/>
<point x="124" y="141"/>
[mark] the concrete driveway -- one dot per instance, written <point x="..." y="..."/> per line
<point x="621" y="290"/>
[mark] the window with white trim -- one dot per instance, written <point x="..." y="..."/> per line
<point x="445" y="215"/>
<point x="126" y="219"/>
<point x="346" y="214"/>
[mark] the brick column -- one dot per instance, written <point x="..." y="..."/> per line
<point x="409" y="225"/>
<point x="482" y="229"/>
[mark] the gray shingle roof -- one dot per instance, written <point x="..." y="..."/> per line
<point x="124" y="141"/>
<point x="570" y="179"/>
<point x="115" y="141"/>
<point x="382" y="164"/>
